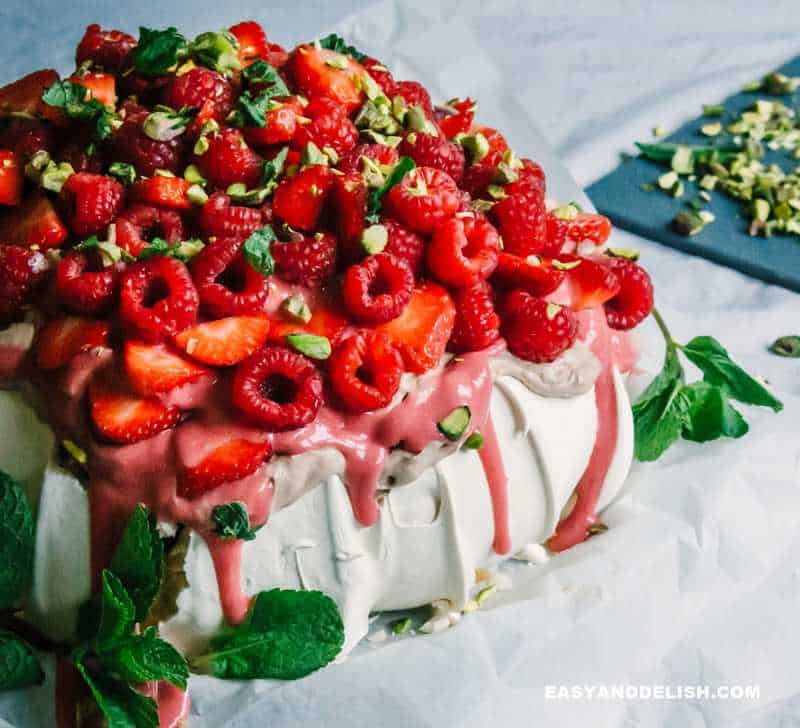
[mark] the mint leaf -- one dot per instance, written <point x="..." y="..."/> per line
<point x="139" y="560"/>
<point x="232" y="520"/>
<point x="272" y="168"/>
<point x="257" y="250"/>
<point x="144" y="658"/>
<point x="158" y="50"/>
<point x="16" y="541"/>
<point x="253" y="111"/>
<point x="720" y="370"/>
<point x="19" y="666"/>
<point x="336" y="43"/>
<point x="117" y="610"/>
<point x="401" y="169"/>
<point x="73" y="99"/>
<point x="263" y="74"/>
<point x="287" y="635"/>
<point x="658" y="415"/>
<point x="710" y="415"/>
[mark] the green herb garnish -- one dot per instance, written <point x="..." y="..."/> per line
<point x="257" y="250"/>
<point x="158" y="50"/>
<point x="336" y="43"/>
<point x="19" y="666"/>
<point x="232" y="520"/>
<point x="76" y="103"/>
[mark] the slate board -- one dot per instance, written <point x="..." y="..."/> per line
<point x="620" y="196"/>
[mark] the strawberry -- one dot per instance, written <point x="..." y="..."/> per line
<point x="589" y="283"/>
<point x="350" y="202"/>
<point x="24" y="97"/>
<point x="323" y="72"/>
<point x="589" y="226"/>
<point x="61" y="340"/>
<point x="280" y="125"/>
<point x="253" y="45"/>
<point x="328" y="319"/>
<point x="123" y="417"/>
<point x="162" y="192"/>
<point x="532" y="274"/>
<point x="233" y="460"/>
<point x="299" y="200"/>
<point x="11" y="178"/>
<point x="224" y="342"/>
<point x="154" y="369"/>
<point x="34" y="222"/>
<point x="461" y="121"/>
<point x="422" y="330"/>
<point x="102" y="86"/>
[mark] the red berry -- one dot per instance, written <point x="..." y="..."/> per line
<point x="380" y="74"/>
<point x="461" y="121"/>
<point x="229" y="160"/>
<point x="280" y="125"/>
<point x="589" y="226"/>
<point x="590" y="283"/>
<point x="330" y="127"/>
<point x="378" y="153"/>
<point x="26" y="137"/>
<point x="203" y="89"/>
<point x="253" y="44"/>
<point x="307" y="261"/>
<point x="521" y="219"/>
<point x="92" y="202"/>
<point x="21" y="270"/>
<point x="377" y="289"/>
<point x="536" y="330"/>
<point x="477" y="325"/>
<point x="226" y="283"/>
<point x="463" y="250"/>
<point x="424" y="198"/>
<point x="24" y="97"/>
<point x="556" y="236"/>
<point x="102" y="87"/>
<point x="634" y="302"/>
<point x="137" y="225"/>
<point x="108" y="49"/>
<point x="404" y="245"/>
<point x="299" y="200"/>
<point x="529" y="177"/>
<point x="154" y="369"/>
<point x="130" y="144"/>
<point x="226" y="341"/>
<point x="477" y="177"/>
<point x="34" y="222"/>
<point x="349" y="198"/>
<point x="61" y="340"/>
<point x="83" y="285"/>
<point x="430" y="150"/>
<point x="278" y="388"/>
<point x="12" y="179"/>
<point x="75" y="152"/>
<point x="414" y="94"/>
<point x="219" y="218"/>
<point x="235" y="459"/>
<point x="497" y="145"/>
<point x="323" y="72"/>
<point x="532" y="274"/>
<point x="365" y="371"/>
<point x="157" y="298"/>
<point x="162" y="191"/>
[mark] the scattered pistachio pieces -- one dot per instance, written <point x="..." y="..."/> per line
<point x="688" y="222"/>
<point x="314" y="347"/>
<point x="374" y="239"/>
<point x="659" y="131"/>
<point x="713" y="110"/>
<point x="627" y="253"/>
<point x="296" y="307"/>
<point x="711" y="130"/>
<point x="455" y="424"/>
<point x="786" y="346"/>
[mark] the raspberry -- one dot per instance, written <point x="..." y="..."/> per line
<point x="414" y="94"/>
<point x="404" y="245"/>
<point x="330" y="127"/>
<point x="429" y="150"/>
<point x="21" y="269"/>
<point x="589" y="226"/>
<point x="307" y="261"/>
<point x="92" y="202"/>
<point x="157" y="299"/>
<point x="106" y="48"/>
<point x="379" y="153"/>
<point x="530" y="177"/>
<point x="634" y="302"/>
<point x="299" y="200"/>
<point x="521" y="219"/>
<point x="477" y="177"/>
<point x="130" y="144"/>
<point x="459" y="122"/>
<point x="377" y="289"/>
<point x="83" y="285"/>
<point x="463" y="250"/>
<point x="381" y="75"/>
<point x="229" y="160"/>
<point x="536" y="330"/>
<point x="26" y="138"/>
<point x="365" y="371"/>
<point x="138" y="224"/>
<point x="497" y="145"/>
<point x="226" y="283"/>
<point x="424" y="198"/>
<point x="277" y="388"/>
<point x="477" y="325"/>
<point x="349" y="197"/>
<point x="218" y="218"/>
<point x="76" y="153"/>
<point x="556" y="236"/>
<point x="203" y="89"/>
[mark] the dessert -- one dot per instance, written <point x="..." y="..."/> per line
<point x="304" y="347"/>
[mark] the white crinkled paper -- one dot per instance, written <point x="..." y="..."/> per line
<point x="696" y="581"/>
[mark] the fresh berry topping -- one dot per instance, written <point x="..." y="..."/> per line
<point x="157" y="299"/>
<point x="108" y="49"/>
<point x="24" y="97"/>
<point x="278" y="388"/>
<point x="532" y="274"/>
<point x="226" y="283"/>
<point x="130" y="144"/>
<point x="224" y="342"/>
<point x="404" y="245"/>
<point x="634" y="302"/>
<point x="477" y="177"/>
<point x="379" y="153"/>
<point x="381" y="75"/>
<point x="422" y="330"/>
<point x="590" y="282"/>
<point x="536" y="330"/>
<point x="123" y="417"/>
<point x="460" y="121"/>
<point x="201" y="88"/>
<point x="138" y="224"/>
<point x="307" y="261"/>
<point x="34" y="222"/>
<point x="529" y="177"/>
<point x="414" y="94"/>
<point x="83" y="285"/>
<point x="61" y="340"/>
<point x="155" y="369"/>
<point x="231" y="461"/>
<point x="589" y="226"/>
<point x="556" y="236"/>
<point x="521" y="219"/>
<point x="92" y="201"/>
<point x="463" y="250"/>
<point x="82" y="156"/>
<point x="28" y="136"/>
<point x="477" y="325"/>
<point x="349" y="201"/>
<point x="253" y="43"/>
<point x="330" y="127"/>
<point x="163" y="192"/>
<point x="377" y="289"/>
<point x="323" y="72"/>
<point x="280" y="125"/>
<point x="497" y="145"/>
<point x="299" y="200"/>
<point x="328" y="319"/>
<point x="102" y="87"/>
<point x="365" y="371"/>
<point x="430" y="150"/>
<point x="424" y="198"/>
<point x="11" y="178"/>
<point x="219" y="218"/>
<point x="21" y="270"/>
<point x="229" y="160"/>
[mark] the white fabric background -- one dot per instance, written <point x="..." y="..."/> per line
<point x="698" y="580"/>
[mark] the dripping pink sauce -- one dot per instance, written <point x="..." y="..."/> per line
<point x="492" y="461"/>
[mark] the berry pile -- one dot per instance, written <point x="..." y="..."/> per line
<point x="300" y="227"/>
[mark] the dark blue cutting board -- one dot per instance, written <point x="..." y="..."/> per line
<point x="620" y="196"/>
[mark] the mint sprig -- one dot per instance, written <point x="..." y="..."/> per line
<point x="336" y="43"/>
<point x="73" y="99"/>
<point x="16" y="542"/>
<point x="19" y="666"/>
<point x="701" y="411"/>
<point x="263" y="74"/>
<point x="257" y="250"/>
<point x="158" y="50"/>
<point x="232" y="520"/>
<point x="400" y="170"/>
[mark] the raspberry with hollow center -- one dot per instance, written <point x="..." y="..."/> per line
<point x="634" y="302"/>
<point x="83" y="285"/>
<point x="108" y="49"/>
<point x="219" y="218"/>
<point x="229" y="160"/>
<point x="277" y="388"/>
<point x="430" y="150"/>
<point x="424" y="198"/>
<point x="157" y="299"/>
<point x="536" y="330"/>
<point x="92" y="202"/>
<point x="226" y="283"/>
<point x="463" y="250"/>
<point x="377" y="289"/>
<point x="365" y="371"/>
<point x="405" y="245"/>
<point x="138" y="224"/>
<point x="477" y="324"/>
<point x="130" y="144"/>
<point x="307" y="261"/>
<point x="330" y="127"/>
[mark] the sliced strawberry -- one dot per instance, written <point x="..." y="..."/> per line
<point x="102" y="86"/>
<point x="155" y="369"/>
<point x="123" y="417"/>
<point x="224" y="342"/>
<point x="253" y="45"/>
<point x="532" y="274"/>
<point x="349" y="198"/>
<point x="299" y="200"/>
<point x="589" y="226"/>
<point x="323" y="72"/>
<point x="234" y="460"/>
<point x="461" y="121"/>
<point x="589" y="283"/>
<point x="24" y="97"/>
<point x="280" y="125"/>
<point x="61" y="340"/>
<point x="421" y="332"/>
<point x="162" y="192"/>
<point x="12" y="178"/>
<point x="34" y="222"/>
<point x="328" y="319"/>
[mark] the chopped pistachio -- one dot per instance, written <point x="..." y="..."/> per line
<point x="708" y="181"/>
<point x="760" y="209"/>
<point x="55" y="175"/>
<point x="401" y="626"/>
<point x="75" y="452"/>
<point x="677" y="190"/>
<point x="485" y="593"/>
<point x="474" y="441"/>
<point x="197" y="195"/>
<point x="218" y="50"/>
<point x="312" y="154"/>
<point x="567" y="212"/>
<point x="688" y="222"/>
<point x="313" y="346"/>
<point x="37" y="164"/>
<point x="711" y="130"/>
<point x="296" y="307"/>
<point x="707" y="216"/>
<point x="476" y="146"/>
<point x="552" y="310"/>
<point x="628" y="253"/>
<point x="496" y="192"/>
<point x="659" y="131"/>
<point x="237" y="189"/>
<point x="201" y="146"/>
<point x="125" y="173"/>
<point x="683" y="160"/>
<point x="374" y="239"/>
<point x="416" y="120"/>
<point x="570" y="265"/>
<point x="668" y="180"/>
<point x="703" y="195"/>
<point x="192" y="174"/>
<point x="713" y="109"/>
<point x="339" y="62"/>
